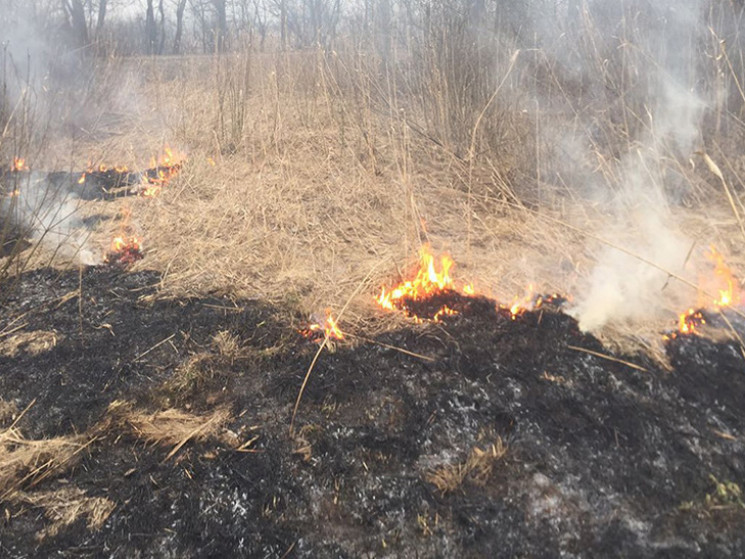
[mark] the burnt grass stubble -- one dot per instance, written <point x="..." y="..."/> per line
<point x="600" y="457"/>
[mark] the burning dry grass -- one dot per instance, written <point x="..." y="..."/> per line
<point x="321" y="196"/>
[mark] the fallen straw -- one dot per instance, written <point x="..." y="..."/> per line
<point x="609" y="358"/>
<point x="393" y="347"/>
<point x="322" y="346"/>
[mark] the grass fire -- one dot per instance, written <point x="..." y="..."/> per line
<point x="372" y="279"/>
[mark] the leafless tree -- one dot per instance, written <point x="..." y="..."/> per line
<point x="151" y="32"/>
<point x="75" y="14"/>
<point x="180" y="8"/>
<point x="102" y="5"/>
<point x="221" y="24"/>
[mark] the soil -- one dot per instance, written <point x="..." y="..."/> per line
<point x="500" y="438"/>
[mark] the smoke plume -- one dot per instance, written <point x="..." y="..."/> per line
<point x="622" y="285"/>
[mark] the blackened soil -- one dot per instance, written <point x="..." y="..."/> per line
<point x="602" y="460"/>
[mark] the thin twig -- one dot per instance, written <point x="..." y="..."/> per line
<point x="323" y="345"/>
<point x="388" y="346"/>
<point x="714" y="168"/>
<point x="609" y="358"/>
<point x="160" y="343"/>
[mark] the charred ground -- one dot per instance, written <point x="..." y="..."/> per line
<point x="503" y="440"/>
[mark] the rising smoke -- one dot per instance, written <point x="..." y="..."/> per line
<point x="623" y="286"/>
<point x="39" y="92"/>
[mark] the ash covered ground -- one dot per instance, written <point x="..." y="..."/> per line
<point x="507" y="442"/>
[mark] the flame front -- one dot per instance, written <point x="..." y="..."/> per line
<point x="124" y="251"/>
<point x="726" y="284"/>
<point x="162" y="170"/>
<point x="429" y="282"/>
<point x="723" y="285"/>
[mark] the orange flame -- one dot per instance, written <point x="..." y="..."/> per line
<point x="329" y="329"/>
<point x="429" y="281"/>
<point x="124" y="251"/>
<point x="532" y="302"/>
<point x="726" y="283"/>
<point x="163" y="169"/>
<point x="723" y="283"/>
<point x="120" y="243"/>
<point x="19" y="164"/>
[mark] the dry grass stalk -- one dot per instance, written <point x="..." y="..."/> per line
<point x="477" y="468"/>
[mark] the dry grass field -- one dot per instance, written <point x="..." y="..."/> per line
<point x="154" y="407"/>
<point x="301" y="185"/>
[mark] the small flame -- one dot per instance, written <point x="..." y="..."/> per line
<point x="124" y="251"/>
<point x="531" y="301"/>
<point x="724" y="283"/>
<point x="727" y="284"/>
<point x="162" y="170"/>
<point x="329" y="329"/>
<point x="429" y="281"/>
<point x="19" y="165"/>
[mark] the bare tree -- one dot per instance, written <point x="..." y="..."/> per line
<point x="102" y="5"/>
<point x="221" y="28"/>
<point x="180" y="7"/>
<point x="162" y="41"/>
<point x="75" y="13"/>
<point x="151" y="32"/>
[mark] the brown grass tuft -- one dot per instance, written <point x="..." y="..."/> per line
<point x="169" y="427"/>
<point x="32" y="343"/>
<point x="477" y="468"/>
<point x="25" y="462"/>
<point x="62" y="507"/>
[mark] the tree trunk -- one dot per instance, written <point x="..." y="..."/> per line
<point x="101" y="15"/>
<point x="222" y="24"/>
<point x="151" y="32"/>
<point x="76" y="12"/>
<point x="179" y="26"/>
<point x="283" y="23"/>
<point x="162" y="41"/>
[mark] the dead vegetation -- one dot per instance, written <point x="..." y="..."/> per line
<point x="25" y="463"/>
<point x="62" y="507"/>
<point x="29" y="461"/>
<point x="477" y="468"/>
<point x="166" y="428"/>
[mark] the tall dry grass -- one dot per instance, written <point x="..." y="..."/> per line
<point x="333" y="166"/>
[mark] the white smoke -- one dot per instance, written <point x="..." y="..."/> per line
<point x="44" y="211"/>
<point x="623" y="286"/>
